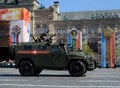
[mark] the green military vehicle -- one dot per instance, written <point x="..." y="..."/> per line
<point x="32" y="58"/>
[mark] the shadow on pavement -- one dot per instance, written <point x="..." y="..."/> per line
<point x="41" y="75"/>
<point x="10" y="75"/>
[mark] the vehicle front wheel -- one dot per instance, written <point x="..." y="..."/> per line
<point x="26" y="68"/>
<point x="76" y="68"/>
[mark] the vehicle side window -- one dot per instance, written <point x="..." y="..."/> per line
<point x="42" y="47"/>
<point x="55" y="49"/>
<point x="27" y="47"/>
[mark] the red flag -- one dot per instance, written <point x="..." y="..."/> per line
<point x="78" y="41"/>
<point x="112" y="50"/>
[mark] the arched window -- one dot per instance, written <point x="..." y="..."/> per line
<point x="89" y="30"/>
<point x="37" y="29"/>
<point x="63" y="31"/>
<point x="44" y="28"/>
<point x="58" y="31"/>
<point x="95" y="29"/>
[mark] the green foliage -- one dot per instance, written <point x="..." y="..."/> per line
<point x="86" y="48"/>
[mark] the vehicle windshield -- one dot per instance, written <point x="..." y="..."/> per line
<point x="67" y="50"/>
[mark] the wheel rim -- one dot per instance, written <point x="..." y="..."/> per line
<point x="76" y="68"/>
<point x="26" y="69"/>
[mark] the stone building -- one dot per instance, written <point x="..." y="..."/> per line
<point x="97" y="14"/>
<point x="44" y="18"/>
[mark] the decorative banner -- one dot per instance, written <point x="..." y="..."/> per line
<point x="19" y="31"/>
<point x="79" y="41"/>
<point x="69" y="39"/>
<point x="19" y="25"/>
<point x="15" y="14"/>
<point x="103" y="50"/>
<point x="112" y="50"/>
<point x="74" y="38"/>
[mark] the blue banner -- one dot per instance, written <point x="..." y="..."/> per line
<point x="103" y="50"/>
<point x="69" y="38"/>
<point x="14" y="39"/>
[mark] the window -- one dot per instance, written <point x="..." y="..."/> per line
<point x="92" y="16"/>
<point x="55" y="49"/>
<point x="89" y="30"/>
<point x="58" y="31"/>
<point x="79" y="29"/>
<point x="115" y="15"/>
<point x="42" y="47"/>
<point x="95" y="30"/>
<point x="37" y="29"/>
<point x="8" y="1"/>
<point x="97" y="16"/>
<point x="27" y="47"/>
<point x="44" y="28"/>
<point x="63" y="31"/>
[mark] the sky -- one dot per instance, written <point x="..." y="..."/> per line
<point x="83" y="5"/>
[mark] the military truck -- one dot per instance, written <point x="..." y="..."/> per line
<point x="32" y="58"/>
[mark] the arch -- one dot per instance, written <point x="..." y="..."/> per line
<point x="37" y="28"/>
<point x="45" y="28"/>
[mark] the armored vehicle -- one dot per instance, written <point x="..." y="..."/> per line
<point x="32" y="58"/>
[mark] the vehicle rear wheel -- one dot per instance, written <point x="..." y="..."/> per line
<point x="77" y="68"/>
<point x="26" y="68"/>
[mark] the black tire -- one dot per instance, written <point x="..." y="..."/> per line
<point x="77" y="68"/>
<point x="26" y="68"/>
<point x="37" y="72"/>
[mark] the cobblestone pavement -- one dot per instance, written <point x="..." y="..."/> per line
<point x="99" y="78"/>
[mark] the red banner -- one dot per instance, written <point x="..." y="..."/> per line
<point x="112" y="50"/>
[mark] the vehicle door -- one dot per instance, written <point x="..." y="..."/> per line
<point x="58" y="56"/>
<point x="42" y="55"/>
